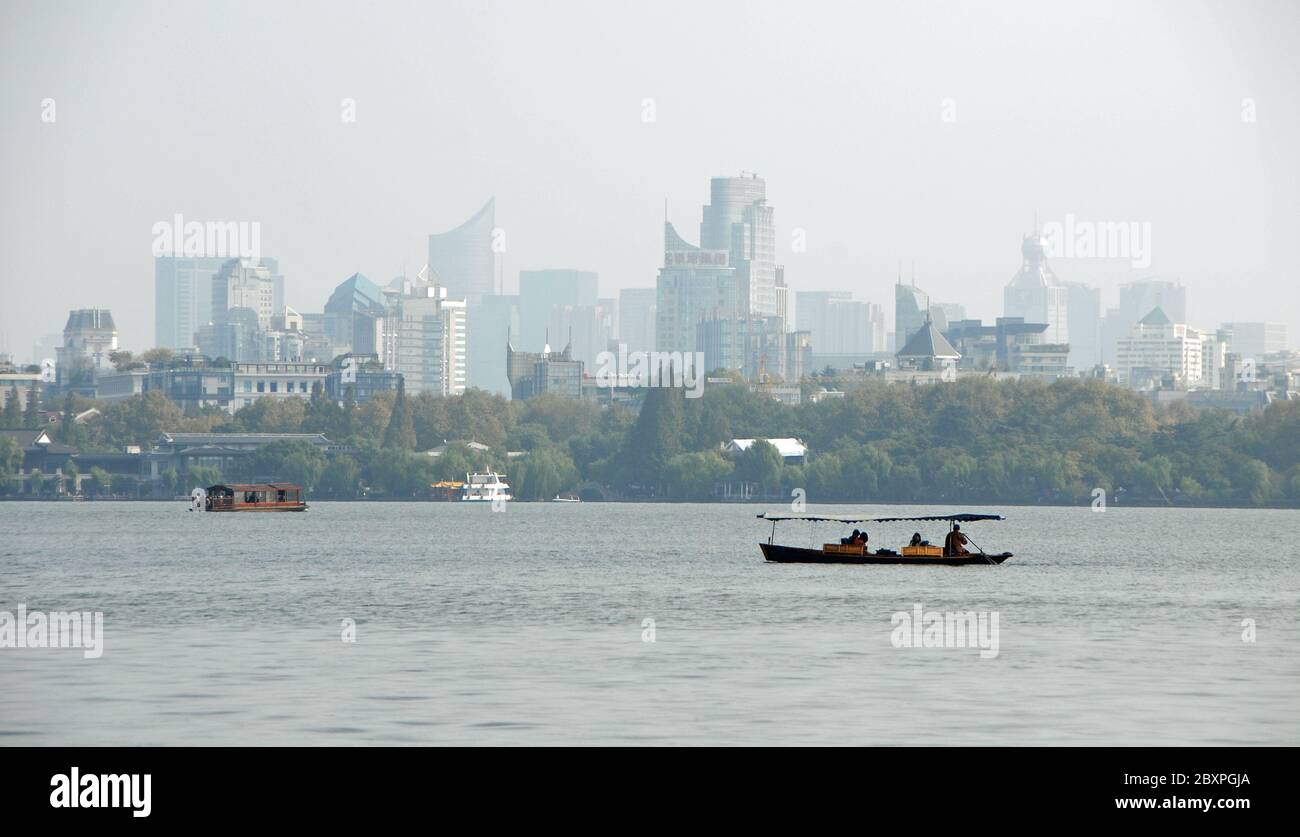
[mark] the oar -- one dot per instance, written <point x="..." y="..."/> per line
<point x="983" y="554"/>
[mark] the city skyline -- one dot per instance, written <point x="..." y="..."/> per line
<point x="911" y="160"/>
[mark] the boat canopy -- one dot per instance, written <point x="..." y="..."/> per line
<point x="956" y="518"/>
<point x="250" y="486"/>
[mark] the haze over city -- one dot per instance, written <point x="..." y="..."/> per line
<point x="929" y="134"/>
<point x="609" y="373"/>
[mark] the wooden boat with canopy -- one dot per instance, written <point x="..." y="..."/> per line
<point x="850" y="553"/>
<point x="260" y="497"/>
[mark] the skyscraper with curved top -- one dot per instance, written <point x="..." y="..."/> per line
<point x="738" y="219"/>
<point x="462" y="259"/>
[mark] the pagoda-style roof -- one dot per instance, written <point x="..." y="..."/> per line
<point x="1157" y="317"/>
<point x="929" y="343"/>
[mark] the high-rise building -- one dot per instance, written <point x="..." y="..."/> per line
<point x="1254" y="340"/>
<point x="732" y="275"/>
<point x="722" y="342"/>
<point x="541" y="292"/>
<point x="588" y="328"/>
<point x="838" y="324"/>
<point x="1136" y="300"/>
<point x="243" y="283"/>
<point x="943" y="313"/>
<point x="544" y="372"/>
<point x="494" y="321"/>
<point x="89" y="337"/>
<point x="355" y="317"/>
<point x="463" y="260"/>
<point x="1083" y="315"/>
<point x="182" y="299"/>
<point x="911" y="305"/>
<point x="694" y="284"/>
<point x="1159" y="350"/>
<point x="243" y="305"/>
<point x="737" y="219"/>
<point x="636" y="318"/>
<point x="431" y="345"/>
<point x="1035" y="293"/>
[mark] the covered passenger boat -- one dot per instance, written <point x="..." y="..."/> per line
<point x="952" y="555"/>
<point x="264" y="497"/>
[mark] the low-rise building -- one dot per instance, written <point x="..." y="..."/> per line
<point x="1009" y="345"/>
<point x="181" y="452"/>
<point x="23" y="385"/>
<point x="537" y="373"/>
<point x="253" y="381"/>
<point x="1159" y="353"/>
<point x="793" y="451"/>
<point x="359" y="378"/>
<point x="927" y="350"/>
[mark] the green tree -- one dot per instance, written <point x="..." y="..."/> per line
<point x="297" y="462"/>
<point x="12" y="417"/>
<point x="32" y="413"/>
<point x="70" y="474"/>
<point x="542" y="474"/>
<point x="122" y="360"/>
<point x="200" y="476"/>
<point x="340" y="478"/>
<point x="11" y="458"/>
<point x="760" y="463"/>
<point x="272" y="415"/>
<point x="399" y="474"/>
<point x="101" y="481"/>
<point x="692" y="476"/>
<point x="138" y="420"/>
<point x="400" y="433"/>
<point x="159" y="355"/>
<point x="68" y="421"/>
<point x="656" y="437"/>
<point x="323" y="415"/>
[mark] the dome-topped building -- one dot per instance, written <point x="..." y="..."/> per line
<point x="1035" y="293"/>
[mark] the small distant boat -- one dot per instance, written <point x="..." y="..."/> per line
<point x="446" y="490"/>
<point x="558" y="499"/>
<point x="840" y="553"/>
<point x="254" y="497"/>
<point x="485" y="488"/>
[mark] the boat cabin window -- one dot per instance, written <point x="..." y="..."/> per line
<point x="279" y="496"/>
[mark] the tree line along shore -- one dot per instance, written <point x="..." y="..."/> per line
<point x="972" y="441"/>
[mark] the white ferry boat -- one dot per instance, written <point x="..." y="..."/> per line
<point x="485" y="488"/>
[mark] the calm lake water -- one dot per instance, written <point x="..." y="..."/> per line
<point x="527" y="626"/>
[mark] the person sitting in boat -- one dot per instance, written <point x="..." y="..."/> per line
<point x="860" y="538"/>
<point x="851" y="539"/>
<point x="916" y="540"/>
<point x="955" y="543"/>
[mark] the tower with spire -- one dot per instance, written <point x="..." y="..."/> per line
<point x="1034" y="293"/>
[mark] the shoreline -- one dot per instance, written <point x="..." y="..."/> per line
<point x="667" y="501"/>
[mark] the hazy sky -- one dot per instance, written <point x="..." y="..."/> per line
<point x="231" y="111"/>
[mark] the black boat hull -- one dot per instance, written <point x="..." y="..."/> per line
<point x="779" y="554"/>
